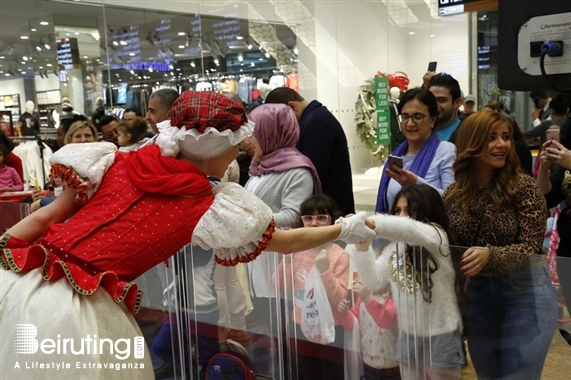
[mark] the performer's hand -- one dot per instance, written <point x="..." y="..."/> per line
<point x="354" y="230"/>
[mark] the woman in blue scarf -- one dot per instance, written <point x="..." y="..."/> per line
<point x="426" y="159"/>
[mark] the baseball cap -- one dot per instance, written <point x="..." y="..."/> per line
<point x="470" y="98"/>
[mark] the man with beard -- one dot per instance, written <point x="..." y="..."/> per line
<point x="449" y="98"/>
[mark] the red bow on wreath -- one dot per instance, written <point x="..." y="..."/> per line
<point x="397" y="79"/>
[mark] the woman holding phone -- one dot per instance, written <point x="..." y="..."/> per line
<point x="555" y="182"/>
<point x="425" y="159"/>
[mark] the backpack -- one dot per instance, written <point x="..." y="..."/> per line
<point x="232" y="363"/>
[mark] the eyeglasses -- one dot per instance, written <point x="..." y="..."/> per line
<point x="321" y="218"/>
<point x="111" y="134"/>
<point x="416" y="117"/>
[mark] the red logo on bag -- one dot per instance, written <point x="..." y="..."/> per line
<point x="310" y="294"/>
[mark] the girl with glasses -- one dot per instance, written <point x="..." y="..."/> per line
<point x="426" y="159"/>
<point x="315" y="361"/>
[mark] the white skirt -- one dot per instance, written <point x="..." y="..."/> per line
<point x="49" y="331"/>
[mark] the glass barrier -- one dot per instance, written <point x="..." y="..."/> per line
<point x="11" y="212"/>
<point x="413" y="320"/>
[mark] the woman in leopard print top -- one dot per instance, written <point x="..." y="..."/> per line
<point x="500" y="213"/>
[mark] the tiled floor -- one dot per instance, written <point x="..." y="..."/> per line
<point x="558" y="363"/>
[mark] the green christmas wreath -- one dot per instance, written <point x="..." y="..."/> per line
<point x="365" y="111"/>
<point x="364" y="114"/>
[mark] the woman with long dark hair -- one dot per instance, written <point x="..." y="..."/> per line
<point x="419" y="267"/>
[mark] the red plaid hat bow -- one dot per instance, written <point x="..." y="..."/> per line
<point x="202" y="109"/>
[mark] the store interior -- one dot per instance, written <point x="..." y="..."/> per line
<point x="53" y="50"/>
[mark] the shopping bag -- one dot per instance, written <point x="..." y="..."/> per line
<point x="317" y="322"/>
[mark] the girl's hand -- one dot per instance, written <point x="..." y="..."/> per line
<point x="343" y="307"/>
<point x="322" y="261"/>
<point x="402" y="176"/>
<point x="364" y="245"/>
<point x="363" y="292"/>
<point x="474" y="260"/>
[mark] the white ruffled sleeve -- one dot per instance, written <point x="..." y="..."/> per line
<point x="238" y="225"/>
<point x="82" y="167"/>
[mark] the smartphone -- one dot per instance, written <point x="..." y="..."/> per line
<point x="552" y="134"/>
<point x="432" y="66"/>
<point x="395" y="161"/>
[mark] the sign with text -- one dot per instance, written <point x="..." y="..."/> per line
<point x="383" y="113"/>
<point x="451" y="7"/>
<point x="383" y="127"/>
<point x="68" y="53"/>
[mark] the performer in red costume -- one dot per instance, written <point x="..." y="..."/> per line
<point x="119" y="215"/>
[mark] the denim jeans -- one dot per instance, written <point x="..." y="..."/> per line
<point x="510" y="323"/>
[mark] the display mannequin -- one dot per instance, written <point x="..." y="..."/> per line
<point x="67" y="111"/>
<point x="394" y="93"/>
<point x="397" y="136"/>
<point x="29" y="120"/>
<point x="99" y="112"/>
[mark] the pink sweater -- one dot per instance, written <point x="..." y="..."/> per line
<point x="335" y="279"/>
<point x="378" y="329"/>
<point x="9" y="177"/>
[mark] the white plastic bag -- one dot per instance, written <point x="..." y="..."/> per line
<point x="317" y="322"/>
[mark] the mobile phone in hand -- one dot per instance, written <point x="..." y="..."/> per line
<point x="552" y="134"/>
<point x="432" y="66"/>
<point x="395" y="161"/>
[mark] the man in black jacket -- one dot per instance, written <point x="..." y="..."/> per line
<point x="323" y="141"/>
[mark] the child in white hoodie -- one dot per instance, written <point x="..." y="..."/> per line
<point x="419" y="266"/>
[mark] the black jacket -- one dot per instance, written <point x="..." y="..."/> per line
<point x="323" y="141"/>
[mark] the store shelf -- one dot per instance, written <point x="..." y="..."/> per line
<point x="12" y="104"/>
<point x="47" y="102"/>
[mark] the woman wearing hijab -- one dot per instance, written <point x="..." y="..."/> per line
<point x="283" y="178"/>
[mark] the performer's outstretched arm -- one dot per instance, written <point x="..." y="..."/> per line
<point x="35" y="225"/>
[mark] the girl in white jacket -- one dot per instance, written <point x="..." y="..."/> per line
<point x="418" y="266"/>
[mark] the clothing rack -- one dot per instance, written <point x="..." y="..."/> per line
<point x="41" y="136"/>
<point x="35" y="155"/>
